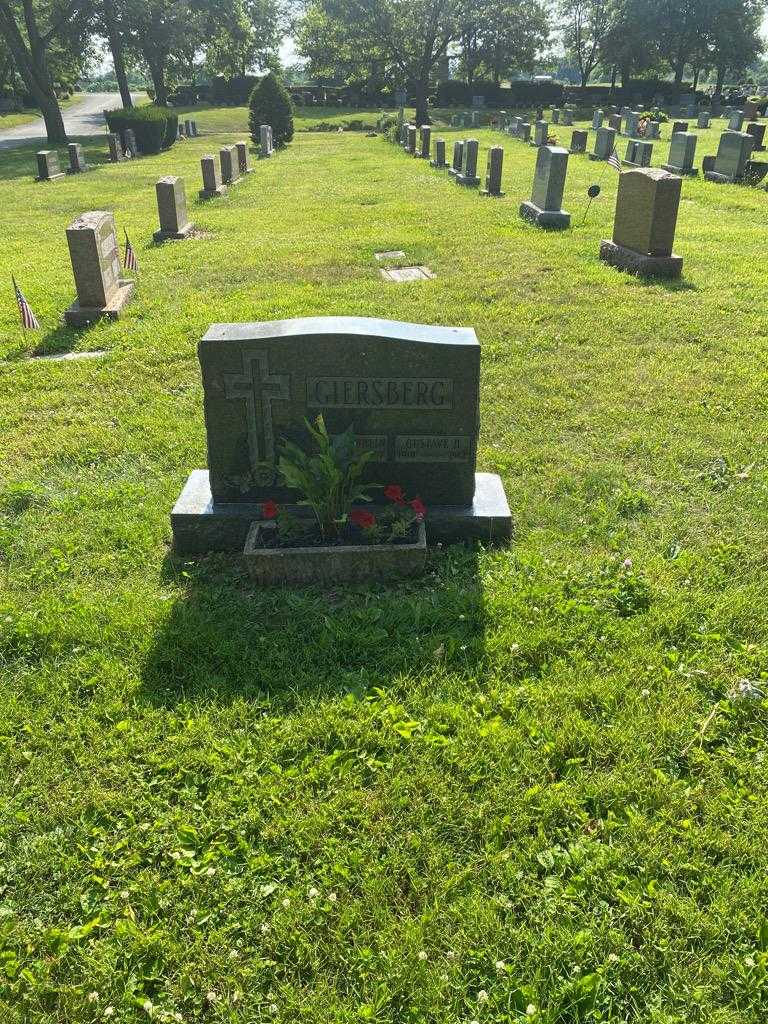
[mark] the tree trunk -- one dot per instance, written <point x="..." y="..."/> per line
<point x="719" y="82"/>
<point x="116" y="46"/>
<point x="614" y="75"/>
<point x="32" y="64"/>
<point x="422" y="112"/>
<point x="157" y="73"/>
<point x="679" y="70"/>
<point x="695" y="79"/>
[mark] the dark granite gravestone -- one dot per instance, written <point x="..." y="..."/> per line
<point x="410" y="391"/>
<point x="757" y="131"/>
<point x="681" y="154"/>
<point x="493" y="171"/>
<point x="77" y="164"/>
<point x="439" y="161"/>
<point x="116" y="154"/>
<point x="425" y="133"/>
<point x="579" y="141"/>
<point x="733" y="152"/>
<point x="48" y="166"/>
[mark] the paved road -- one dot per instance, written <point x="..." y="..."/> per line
<point x="84" y="117"/>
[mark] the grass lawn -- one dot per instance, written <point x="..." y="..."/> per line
<point x="518" y="784"/>
<point x="29" y="115"/>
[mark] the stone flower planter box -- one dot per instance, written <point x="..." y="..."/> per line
<point x="353" y="563"/>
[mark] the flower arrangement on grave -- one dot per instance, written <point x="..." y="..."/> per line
<point x="329" y="481"/>
<point x="551" y="140"/>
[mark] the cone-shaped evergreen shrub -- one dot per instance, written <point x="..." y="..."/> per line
<point x="271" y="104"/>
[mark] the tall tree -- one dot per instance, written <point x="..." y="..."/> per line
<point x="165" y="35"/>
<point x="43" y="37"/>
<point x="500" y="36"/>
<point x="404" y="39"/>
<point x="734" y="37"/>
<point x="109" y="18"/>
<point x="681" y="29"/>
<point x="243" y="36"/>
<point x="586" y="24"/>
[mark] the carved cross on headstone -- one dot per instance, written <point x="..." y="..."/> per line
<point x="258" y="389"/>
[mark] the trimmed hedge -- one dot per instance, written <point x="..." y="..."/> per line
<point x="155" y="127"/>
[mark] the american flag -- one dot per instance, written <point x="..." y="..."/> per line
<point x="129" y="260"/>
<point x="28" y="319"/>
<point x="614" y="161"/>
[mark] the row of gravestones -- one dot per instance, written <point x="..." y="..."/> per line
<point x="646" y="206"/>
<point x="234" y="162"/>
<point x="92" y="240"/>
<point x="121" y="147"/>
<point x="731" y="164"/>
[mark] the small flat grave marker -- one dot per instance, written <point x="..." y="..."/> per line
<point x="403" y="275"/>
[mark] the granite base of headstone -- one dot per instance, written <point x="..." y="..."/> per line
<point x="48" y="168"/>
<point x="172" y="210"/>
<point x="545" y="205"/>
<point x="644" y="225"/>
<point x="411" y="392"/>
<point x="95" y="257"/>
<point x="212" y="184"/>
<point x="77" y="163"/>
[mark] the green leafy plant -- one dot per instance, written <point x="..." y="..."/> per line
<point x="329" y="479"/>
<point x="271" y="104"/>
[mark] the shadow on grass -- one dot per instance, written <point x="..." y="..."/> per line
<point x="227" y="639"/>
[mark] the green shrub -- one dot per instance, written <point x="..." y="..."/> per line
<point x="271" y="104"/>
<point x="154" y="127"/>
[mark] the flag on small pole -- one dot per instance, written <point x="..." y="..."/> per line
<point x="614" y="161"/>
<point x="28" y="319"/>
<point x="129" y="260"/>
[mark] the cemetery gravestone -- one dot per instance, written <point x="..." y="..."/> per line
<point x="644" y="225"/>
<point x="757" y="131"/>
<point x="681" y="154"/>
<point x="410" y="392"/>
<point x="212" y="185"/>
<point x="243" y="158"/>
<point x="679" y="126"/>
<point x="567" y="117"/>
<point x="172" y="209"/>
<point x="426" y="142"/>
<point x="476" y="118"/>
<point x="579" y="141"/>
<point x="458" y="158"/>
<point x="265" y="141"/>
<point x="540" y="133"/>
<point x="733" y="152"/>
<point x="48" y="166"/>
<point x="605" y="143"/>
<point x="736" y="122"/>
<point x="614" y="123"/>
<point x="545" y="206"/>
<point x="439" y="161"/>
<point x="555" y="115"/>
<point x="631" y="122"/>
<point x="188" y="128"/>
<point x="129" y="142"/>
<point x="638" y="153"/>
<point x="116" y="154"/>
<point x="652" y="130"/>
<point x="524" y="132"/>
<point x="468" y="175"/>
<point x="597" y="119"/>
<point x="77" y="164"/>
<point x="95" y="256"/>
<point x="411" y="142"/>
<point x="230" y="168"/>
<point x="750" y="110"/>
<point x="702" y="121"/>
<point x="493" y="172"/>
<point x="514" y="126"/>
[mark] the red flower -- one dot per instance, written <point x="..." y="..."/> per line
<point x="362" y="517"/>
<point x="419" y="508"/>
<point x="269" y="509"/>
<point x="395" y="493"/>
